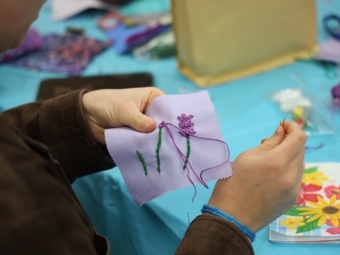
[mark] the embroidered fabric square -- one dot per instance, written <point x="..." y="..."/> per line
<point x="64" y="53"/>
<point x="186" y="148"/>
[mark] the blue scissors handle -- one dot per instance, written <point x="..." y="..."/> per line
<point x="326" y="23"/>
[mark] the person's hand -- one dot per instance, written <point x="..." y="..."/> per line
<point x="110" y="108"/>
<point x="266" y="180"/>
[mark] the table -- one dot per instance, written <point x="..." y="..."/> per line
<point x="244" y="109"/>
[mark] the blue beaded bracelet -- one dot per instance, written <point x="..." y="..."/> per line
<point x="217" y="212"/>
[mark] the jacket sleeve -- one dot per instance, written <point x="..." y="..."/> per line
<point x="209" y="234"/>
<point x="60" y="124"/>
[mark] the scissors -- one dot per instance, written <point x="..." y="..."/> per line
<point x="332" y="18"/>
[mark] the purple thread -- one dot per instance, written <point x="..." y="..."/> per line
<point x="210" y="139"/>
<point x="165" y="125"/>
<point x="186" y="125"/>
<point x="186" y="129"/>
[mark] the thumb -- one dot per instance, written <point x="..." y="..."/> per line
<point x="274" y="140"/>
<point x="140" y="122"/>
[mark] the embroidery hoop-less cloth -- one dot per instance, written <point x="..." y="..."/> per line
<point x="123" y="143"/>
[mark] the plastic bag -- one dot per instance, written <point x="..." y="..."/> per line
<point x="311" y="111"/>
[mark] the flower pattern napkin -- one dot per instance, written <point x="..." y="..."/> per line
<point x="316" y="214"/>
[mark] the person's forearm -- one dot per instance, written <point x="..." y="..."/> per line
<point x="209" y="234"/>
<point x="60" y="124"/>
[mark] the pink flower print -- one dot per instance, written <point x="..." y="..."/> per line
<point x="333" y="190"/>
<point x="332" y="231"/>
<point x="306" y="193"/>
<point x="186" y="125"/>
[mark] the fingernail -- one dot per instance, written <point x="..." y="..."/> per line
<point x="148" y="125"/>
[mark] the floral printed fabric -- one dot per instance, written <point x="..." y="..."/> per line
<point x="33" y="41"/>
<point x="68" y="54"/>
<point x="186" y="148"/>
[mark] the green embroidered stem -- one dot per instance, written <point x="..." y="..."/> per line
<point x="188" y="153"/>
<point x="158" y="149"/>
<point x="141" y="159"/>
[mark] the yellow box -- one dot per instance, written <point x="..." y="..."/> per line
<point x="222" y="40"/>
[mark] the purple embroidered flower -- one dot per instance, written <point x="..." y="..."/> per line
<point x="186" y="125"/>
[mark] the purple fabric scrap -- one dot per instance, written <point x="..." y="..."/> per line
<point x="192" y="120"/>
<point x="33" y="41"/>
<point x="147" y="35"/>
<point x="336" y="97"/>
<point x="126" y="38"/>
<point x="64" y="53"/>
<point x="329" y="51"/>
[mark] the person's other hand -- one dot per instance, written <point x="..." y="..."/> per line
<point x="110" y="108"/>
<point x="266" y="180"/>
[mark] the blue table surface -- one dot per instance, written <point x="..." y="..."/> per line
<point x="244" y="109"/>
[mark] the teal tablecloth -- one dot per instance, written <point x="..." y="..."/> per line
<point x="246" y="115"/>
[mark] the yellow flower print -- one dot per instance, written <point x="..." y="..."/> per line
<point x="316" y="178"/>
<point x="322" y="211"/>
<point x="292" y="223"/>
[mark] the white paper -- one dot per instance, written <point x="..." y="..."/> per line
<point x="64" y="9"/>
<point x="279" y="238"/>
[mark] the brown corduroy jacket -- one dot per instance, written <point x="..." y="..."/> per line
<point x="43" y="148"/>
